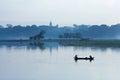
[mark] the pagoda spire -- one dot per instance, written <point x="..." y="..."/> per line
<point x="50" y="23"/>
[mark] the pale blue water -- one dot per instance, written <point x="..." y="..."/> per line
<point x="51" y="61"/>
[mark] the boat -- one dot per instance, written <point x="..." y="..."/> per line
<point x="90" y="58"/>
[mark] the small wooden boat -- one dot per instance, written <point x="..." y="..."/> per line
<point x="90" y="58"/>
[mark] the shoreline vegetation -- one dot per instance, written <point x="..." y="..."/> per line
<point x="68" y="42"/>
<point x="52" y="31"/>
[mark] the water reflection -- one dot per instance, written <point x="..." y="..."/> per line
<point x="35" y="45"/>
<point x="51" y="61"/>
<point x="52" y="45"/>
<point x="30" y="45"/>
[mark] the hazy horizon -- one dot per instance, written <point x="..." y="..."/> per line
<point x="62" y="12"/>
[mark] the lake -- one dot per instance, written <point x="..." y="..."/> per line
<point x="53" y="61"/>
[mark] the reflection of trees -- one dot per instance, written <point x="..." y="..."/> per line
<point x="29" y="45"/>
<point x="95" y="48"/>
<point x="35" y="45"/>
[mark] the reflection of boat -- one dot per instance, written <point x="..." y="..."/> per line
<point x="90" y="58"/>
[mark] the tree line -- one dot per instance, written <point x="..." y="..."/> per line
<point x="76" y="31"/>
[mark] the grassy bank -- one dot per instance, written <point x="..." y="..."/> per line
<point x="74" y="42"/>
<point x="42" y="40"/>
<point x="93" y="43"/>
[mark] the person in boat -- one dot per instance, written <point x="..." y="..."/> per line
<point x="86" y="58"/>
<point x="90" y="57"/>
<point x="75" y="57"/>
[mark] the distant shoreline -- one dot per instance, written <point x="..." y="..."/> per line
<point x="42" y="40"/>
<point x="68" y="42"/>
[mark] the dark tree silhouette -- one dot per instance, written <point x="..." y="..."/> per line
<point x="38" y="36"/>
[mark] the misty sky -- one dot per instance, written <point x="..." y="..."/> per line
<point x="62" y="12"/>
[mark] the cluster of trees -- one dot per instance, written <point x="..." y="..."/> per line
<point x="75" y="31"/>
<point x="38" y="36"/>
<point x="71" y="36"/>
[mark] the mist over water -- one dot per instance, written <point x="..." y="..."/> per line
<point x="52" y="61"/>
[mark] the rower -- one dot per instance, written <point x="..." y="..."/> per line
<point x="76" y="58"/>
<point x="90" y="57"/>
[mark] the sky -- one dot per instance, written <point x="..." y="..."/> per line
<point x="62" y="12"/>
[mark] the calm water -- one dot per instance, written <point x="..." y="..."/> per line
<point x="52" y="61"/>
